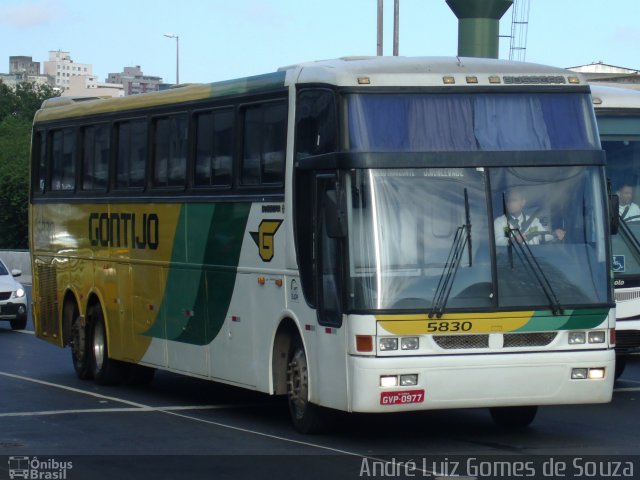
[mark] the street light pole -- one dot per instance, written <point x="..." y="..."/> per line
<point x="380" y="27"/>
<point x="171" y="35"/>
<point x="396" y="27"/>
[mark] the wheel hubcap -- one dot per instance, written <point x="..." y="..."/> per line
<point x="98" y="344"/>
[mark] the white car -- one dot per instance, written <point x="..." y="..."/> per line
<point x="13" y="298"/>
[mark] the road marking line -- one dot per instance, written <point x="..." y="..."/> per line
<point x="167" y="411"/>
<point x="30" y="332"/>
<point x="630" y="389"/>
<point x="71" y="389"/>
<point x="124" y="410"/>
<point x="630" y="381"/>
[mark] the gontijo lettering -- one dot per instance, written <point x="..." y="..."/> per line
<point x="124" y="230"/>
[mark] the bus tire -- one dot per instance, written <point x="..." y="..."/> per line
<point x="78" y="340"/>
<point x="306" y="417"/>
<point x="105" y="370"/>
<point x="513" y="417"/>
<point x="621" y="362"/>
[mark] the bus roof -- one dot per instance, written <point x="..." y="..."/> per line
<point x="429" y="71"/>
<point x="344" y="72"/>
<point x="607" y="97"/>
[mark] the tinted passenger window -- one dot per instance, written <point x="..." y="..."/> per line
<point x="214" y="150"/>
<point x="316" y="126"/>
<point x="265" y="133"/>
<point x="96" y="150"/>
<point x="63" y="162"/>
<point x="132" y="154"/>
<point x="170" y="156"/>
<point x="40" y="162"/>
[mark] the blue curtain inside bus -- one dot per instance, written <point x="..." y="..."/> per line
<point x="461" y="122"/>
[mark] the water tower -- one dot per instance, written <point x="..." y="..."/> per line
<point x="478" y="26"/>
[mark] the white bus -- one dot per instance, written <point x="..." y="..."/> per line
<point x="618" y="117"/>
<point x="335" y="232"/>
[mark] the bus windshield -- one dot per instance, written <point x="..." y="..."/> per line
<point x="623" y="168"/>
<point x="416" y="122"/>
<point x="403" y="224"/>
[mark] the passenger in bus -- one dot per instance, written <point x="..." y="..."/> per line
<point x="523" y="227"/>
<point x="629" y="211"/>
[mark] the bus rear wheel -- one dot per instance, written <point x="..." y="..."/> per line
<point x="513" y="417"/>
<point x="105" y="370"/>
<point x="305" y="416"/>
<point x="79" y="341"/>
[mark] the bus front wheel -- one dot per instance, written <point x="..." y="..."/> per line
<point x="513" y="417"/>
<point x="105" y="370"/>
<point x="305" y="416"/>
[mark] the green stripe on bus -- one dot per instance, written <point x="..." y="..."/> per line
<point x="571" y="320"/>
<point x="257" y="83"/>
<point x="196" y="301"/>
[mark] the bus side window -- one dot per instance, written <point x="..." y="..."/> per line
<point x="170" y="155"/>
<point x="63" y="160"/>
<point x="265" y="135"/>
<point x="132" y="154"/>
<point x="316" y="130"/>
<point x="96" y="152"/>
<point x="214" y="148"/>
<point x="39" y="161"/>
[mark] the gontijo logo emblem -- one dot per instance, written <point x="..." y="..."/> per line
<point x="264" y="238"/>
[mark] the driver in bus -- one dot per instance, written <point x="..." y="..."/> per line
<point x="629" y="211"/>
<point x="527" y="228"/>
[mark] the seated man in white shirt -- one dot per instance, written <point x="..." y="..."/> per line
<point x="629" y="211"/>
<point x="527" y="229"/>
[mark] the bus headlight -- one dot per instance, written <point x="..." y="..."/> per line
<point x="387" y="381"/>
<point x="596" y="336"/>
<point x="409" y="380"/>
<point x="409" y="343"/>
<point x="579" y="373"/>
<point x="576" y="338"/>
<point x="596" y="373"/>
<point x="388" y="343"/>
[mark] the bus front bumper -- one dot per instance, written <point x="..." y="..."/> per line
<point x="470" y="381"/>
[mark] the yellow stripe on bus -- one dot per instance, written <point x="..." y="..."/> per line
<point x="457" y="323"/>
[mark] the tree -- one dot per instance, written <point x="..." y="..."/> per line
<point x="17" y="108"/>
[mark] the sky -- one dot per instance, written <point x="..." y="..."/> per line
<point x="223" y="39"/>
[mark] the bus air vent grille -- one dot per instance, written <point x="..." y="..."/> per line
<point x="535" y="339"/>
<point x="48" y="293"/>
<point x="456" y="342"/>
<point x="626" y="296"/>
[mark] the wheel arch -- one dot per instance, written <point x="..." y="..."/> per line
<point x="286" y="332"/>
<point x="70" y="300"/>
<point x="94" y="299"/>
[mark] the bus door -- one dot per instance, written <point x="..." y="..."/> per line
<point x="328" y="251"/>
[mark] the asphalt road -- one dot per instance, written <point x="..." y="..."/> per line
<point x="180" y="427"/>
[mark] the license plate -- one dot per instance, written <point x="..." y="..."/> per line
<point x="399" y="398"/>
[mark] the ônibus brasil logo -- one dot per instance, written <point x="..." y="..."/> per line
<point x="36" y="469"/>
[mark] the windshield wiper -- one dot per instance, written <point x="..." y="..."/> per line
<point x="461" y="239"/>
<point x="527" y="257"/>
<point x="628" y="234"/>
